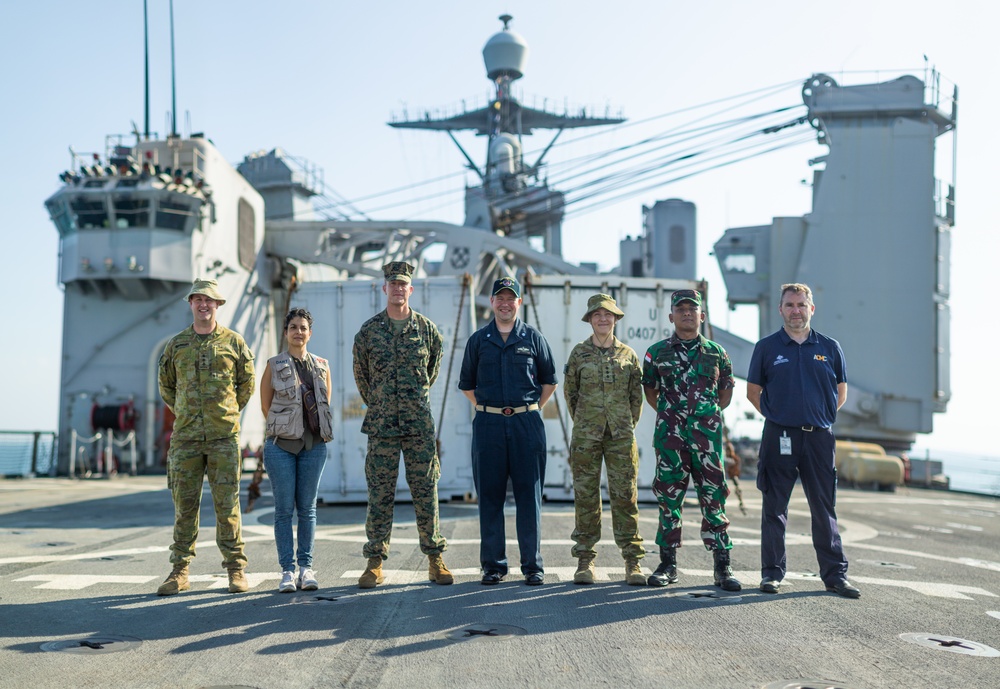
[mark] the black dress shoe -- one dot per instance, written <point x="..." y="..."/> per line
<point x="534" y="579"/>
<point x="844" y="588"/>
<point x="491" y="578"/>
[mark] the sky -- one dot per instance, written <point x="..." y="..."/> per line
<point x="321" y="79"/>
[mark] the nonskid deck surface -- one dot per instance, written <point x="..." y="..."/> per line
<point x="80" y="563"/>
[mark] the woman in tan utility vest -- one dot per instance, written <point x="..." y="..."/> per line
<point x="295" y="399"/>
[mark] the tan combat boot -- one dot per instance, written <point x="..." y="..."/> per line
<point x="176" y="582"/>
<point x="372" y="576"/>
<point x="633" y="573"/>
<point x="437" y="572"/>
<point x="238" y="581"/>
<point x="584" y="571"/>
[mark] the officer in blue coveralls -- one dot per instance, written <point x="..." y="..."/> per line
<point x="798" y="381"/>
<point x="508" y="375"/>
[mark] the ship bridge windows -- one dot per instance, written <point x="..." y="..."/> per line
<point x="90" y="212"/>
<point x="63" y="219"/>
<point x="131" y="212"/>
<point x="171" y="215"/>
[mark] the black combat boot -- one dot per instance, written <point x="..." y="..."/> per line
<point x="666" y="571"/>
<point x="724" y="578"/>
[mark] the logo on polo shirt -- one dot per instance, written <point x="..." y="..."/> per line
<point x="780" y="360"/>
<point x="819" y="357"/>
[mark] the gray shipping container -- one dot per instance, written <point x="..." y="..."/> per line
<point x="557" y="303"/>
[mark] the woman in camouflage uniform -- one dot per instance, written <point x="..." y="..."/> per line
<point x="604" y="394"/>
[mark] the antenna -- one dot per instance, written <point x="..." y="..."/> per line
<point x="173" y="77"/>
<point x="145" y="30"/>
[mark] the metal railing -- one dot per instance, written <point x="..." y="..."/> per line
<point x="85" y="462"/>
<point x="28" y="453"/>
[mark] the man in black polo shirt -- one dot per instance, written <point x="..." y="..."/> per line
<point x="798" y="381"/>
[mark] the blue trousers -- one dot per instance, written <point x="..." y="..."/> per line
<point x="509" y="447"/>
<point x="295" y="485"/>
<point x="812" y="460"/>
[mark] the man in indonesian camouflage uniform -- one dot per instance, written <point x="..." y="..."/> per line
<point x="397" y="357"/>
<point x="688" y="380"/>
<point x="604" y="395"/>
<point x="206" y="378"/>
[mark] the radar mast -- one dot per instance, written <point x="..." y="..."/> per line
<point x="511" y="200"/>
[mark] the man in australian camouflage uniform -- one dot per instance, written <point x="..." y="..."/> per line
<point x="688" y="380"/>
<point x="206" y="378"/>
<point x="604" y="395"/>
<point x="397" y="357"/>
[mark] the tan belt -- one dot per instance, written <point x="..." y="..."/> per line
<point x="507" y="411"/>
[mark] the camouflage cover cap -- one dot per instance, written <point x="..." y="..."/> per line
<point x="507" y="283"/>
<point x="691" y="295"/>
<point x="398" y="270"/>
<point x="602" y="301"/>
<point x="210" y="288"/>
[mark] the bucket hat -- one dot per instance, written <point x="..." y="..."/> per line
<point x="602" y="301"/>
<point x="210" y="288"/>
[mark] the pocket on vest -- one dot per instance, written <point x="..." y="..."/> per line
<point x="279" y="425"/>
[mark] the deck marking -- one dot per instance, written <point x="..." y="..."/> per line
<point x="75" y="582"/>
<point x="968" y="561"/>
<point x="934" y="529"/>
<point x="34" y="559"/>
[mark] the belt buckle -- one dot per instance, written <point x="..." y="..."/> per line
<point x="507" y="411"/>
<point x="808" y="429"/>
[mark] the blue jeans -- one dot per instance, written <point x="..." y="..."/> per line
<point x="295" y="485"/>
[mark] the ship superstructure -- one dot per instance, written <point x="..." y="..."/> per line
<point x="135" y="228"/>
<point x="875" y="249"/>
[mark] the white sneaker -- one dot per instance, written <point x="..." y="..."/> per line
<point x="307" y="580"/>
<point x="287" y="584"/>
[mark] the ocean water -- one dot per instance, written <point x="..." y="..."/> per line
<point x="969" y="472"/>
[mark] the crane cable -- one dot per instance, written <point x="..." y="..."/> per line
<point x="538" y="325"/>
<point x="466" y="281"/>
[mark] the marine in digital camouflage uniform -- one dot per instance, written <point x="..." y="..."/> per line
<point x="397" y="358"/>
<point x="688" y="380"/>
<point x="206" y="378"/>
<point x="604" y="395"/>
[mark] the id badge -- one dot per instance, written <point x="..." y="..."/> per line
<point x="785" y="444"/>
